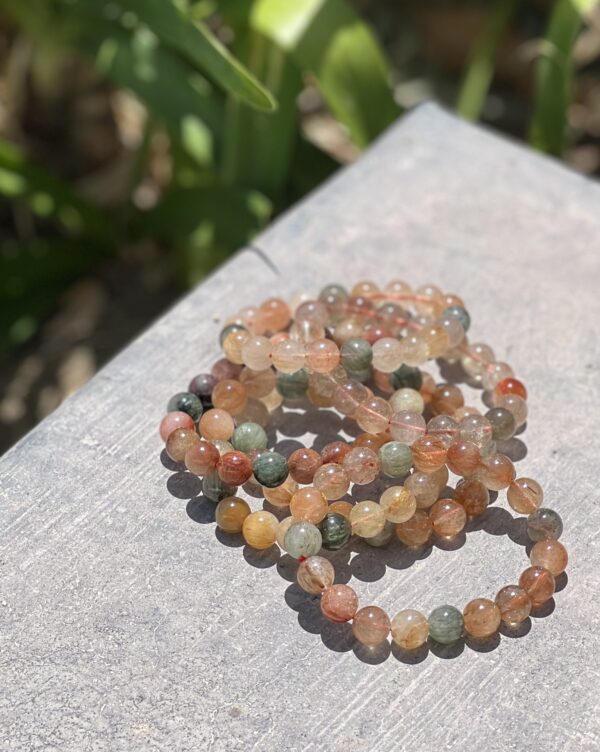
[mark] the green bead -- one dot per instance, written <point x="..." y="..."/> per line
<point x="406" y="377"/>
<point x="214" y="489"/>
<point x="335" y="530"/>
<point x="503" y="423"/>
<point x="356" y="354"/>
<point x="228" y="329"/>
<point x="270" y="469"/>
<point x="292" y="385"/>
<point x="333" y="294"/>
<point x="249" y="436"/>
<point x="186" y="402"/>
<point x="302" y="539"/>
<point x="544" y="524"/>
<point x="460" y="313"/>
<point x="445" y="624"/>
<point x="396" y="459"/>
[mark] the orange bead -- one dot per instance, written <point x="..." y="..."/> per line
<point x="229" y="395"/>
<point x="339" y="603"/>
<point x="234" y="468"/>
<point x="173" y="420"/>
<point x="446" y="399"/>
<point x="231" y="513"/>
<point x="473" y="495"/>
<point x="201" y="458"/>
<point x="463" y="458"/>
<point x="482" y="618"/>
<point x="551" y="555"/>
<point x="322" y="355"/>
<point x="341" y="507"/>
<point x="260" y="529"/>
<point x="448" y="518"/>
<point x="179" y="441"/>
<point x="303" y="464"/>
<point x="216" y="425"/>
<point x="429" y="453"/>
<point x="416" y="531"/>
<point x="308" y="505"/>
<point x="496" y="473"/>
<point x="514" y="605"/>
<point x="281" y="496"/>
<point x="525" y="495"/>
<point x="371" y="625"/>
<point x="538" y="583"/>
<point x="275" y="314"/>
<point x="510" y="386"/>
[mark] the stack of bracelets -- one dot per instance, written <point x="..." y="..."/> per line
<point x="361" y="353"/>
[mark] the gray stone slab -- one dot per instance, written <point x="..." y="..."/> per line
<point x="125" y="624"/>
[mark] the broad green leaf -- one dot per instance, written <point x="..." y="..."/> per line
<point x="480" y="70"/>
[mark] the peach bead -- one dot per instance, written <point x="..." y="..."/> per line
<point x="233" y="344"/>
<point x="216" y="425"/>
<point x="429" y="453"/>
<point x="407" y="426"/>
<point x="424" y="487"/>
<point x="341" y="507"/>
<point x="371" y="626"/>
<point x="202" y="458"/>
<point x="364" y="287"/>
<point x="332" y="480"/>
<point x="312" y="310"/>
<point x="179" y="441"/>
<point x="473" y="496"/>
<point x="382" y="381"/>
<point x="448" y="518"/>
<point x="398" y="504"/>
<point x="260" y="529"/>
<point x="322" y="355"/>
<point x="437" y="340"/>
<point x="335" y="451"/>
<point x="410" y="629"/>
<point x="371" y="440"/>
<point x="514" y="605"/>
<point x="282" y="529"/>
<point x="446" y="399"/>
<point x="361" y="465"/>
<point x="229" y="395"/>
<point x="281" y="496"/>
<point x="550" y="554"/>
<point x="308" y="505"/>
<point x="496" y="473"/>
<point x="173" y="420"/>
<point x="373" y="415"/>
<point x="231" y="513"/>
<point x="463" y="458"/>
<point x="348" y="395"/>
<point x="258" y="383"/>
<point x="525" y="495"/>
<point x="416" y="531"/>
<point x="234" y="468"/>
<point x="339" y="603"/>
<point x="481" y="618"/>
<point x="256" y="353"/>
<point x="538" y="583"/>
<point x="303" y="463"/>
<point x="275" y="314"/>
<point x="315" y="574"/>
<point x="367" y="519"/>
<point x="289" y="356"/>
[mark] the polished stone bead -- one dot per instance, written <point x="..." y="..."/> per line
<point x="282" y="529"/>
<point x="510" y="385"/>
<point x="216" y="424"/>
<point x="398" y="503"/>
<point x="270" y="469"/>
<point x="302" y="539"/>
<point x="477" y="429"/>
<point x="228" y="329"/>
<point x="258" y="384"/>
<point x="482" y="618"/>
<point x="315" y="575"/>
<point x="473" y="496"/>
<point x="371" y="626"/>
<point x="373" y="415"/>
<point x="333" y="296"/>
<point x="361" y="465"/>
<point x="525" y="495"/>
<point x="446" y="399"/>
<point x="396" y="459"/>
<point x="214" y="489"/>
<point x="424" y="487"/>
<point x="448" y="518"/>
<point x="407" y="399"/>
<point x="303" y="464"/>
<point x="248" y="436"/>
<point x="225" y="369"/>
<point x="234" y="468"/>
<point x="292" y="386"/>
<point x="280" y="496"/>
<point x="463" y="458"/>
<point x="171" y="421"/>
<point x="383" y="537"/>
<point x="367" y="519"/>
<point x="496" y="472"/>
<point x="202" y="458"/>
<point x="260" y="529"/>
<point x="308" y="504"/>
<point x="332" y="480"/>
<point x="406" y="377"/>
<point x="230" y="395"/>
<point x="416" y="531"/>
<point x="186" y="402"/>
<point x="445" y="624"/>
<point x="410" y="629"/>
<point x="357" y="354"/>
<point x="544" y="524"/>
<point x="322" y="355"/>
<point x="202" y="386"/>
<point x="341" y="507"/>
<point x="538" y="583"/>
<point x="335" y="530"/>
<point x="503" y="423"/>
<point x="231" y="513"/>
<point x="514" y="605"/>
<point x="274" y="315"/>
<point x="429" y="453"/>
<point x="335" y="451"/>
<point x="180" y="441"/>
<point x="339" y="603"/>
<point x="550" y="554"/>
<point x="407" y="426"/>
<point x="460" y="313"/>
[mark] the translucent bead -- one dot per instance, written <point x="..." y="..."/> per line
<point x="371" y="626"/>
<point x="387" y="354"/>
<point x="348" y="396"/>
<point x="525" y="495"/>
<point x="416" y="531"/>
<point x="227" y="330"/>
<point x="231" y="513"/>
<point x="179" y="442"/>
<point x="367" y="519"/>
<point x="229" y="395"/>
<point x="224" y="369"/>
<point x="256" y="353"/>
<point x="173" y="420"/>
<point x="482" y="618"/>
<point x="255" y="412"/>
<point x="407" y="399"/>
<point x="361" y="307"/>
<point x="275" y="314"/>
<point x="476" y="360"/>
<point x="437" y="340"/>
<point x="448" y="518"/>
<point x="503" y="423"/>
<point x="346" y="329"/>
<point x="440" y="477"/>
<point x="201" y="458"/>
<point x="216" y="424"/>
<point x="538" y="583"/>
<point x="454" y="330"/>
<point x="398" y="287"/>
<point x="260" y="529"/>
<point x="383" y="537"/>
<point x="339" y="603"/>
<point x="473" y="496"/>
<point x="335" y="530"/>
<point x="292" y="386"/>
<point x="424" y="488"/>
<point x="214" y="489"/>
<point x="361" y="465"/>
<point x="429" y="453"/>
<point x="289" y="356"/>
<point x="497" y="472"/>
<point x="410" y="629"/>
<point x="460" y="313"/>
<point x="476" y="429"/>
<point x="308" y="504"/>
<point x="282" y="529"/>
<point x="510" y="386"/>
<point x="234" y="468"/>
<point x="270" y="469"/>
<point x="494" y="373"/>
<point x="373" y="415"/>
<point x="414" y="350"/>
<point x="331" y="480"/>
<point x="395" y="458"/>
<point x="374" y="331"/>
<point x="271" y="401"/>
<point x="364" y="287"/>
<point x="356" y="354"/>
<point x="315" y="574"/>
<point x="515" y="405"/>
<point x="514" y="605"/>
<point x="443" y="427"/>
<point x="333" y="296"/>
<point x="335" y="451"/>
<point x="258" y="383"/>
<point x="341" y="507"/>
<point x="303" y="464"/>
<point x="427" y="388"/>
<point x="250" y="319"/>
<point x="249" y="436"/>
<point x="233" y="344"/>
<point x="371" y="440"/>
<point x="314" y="311"/>
<point x="398" y="503"/>
<point x="463" y="458"/>
<point x="445" y="624"/>
<point x="446" y="399"/>
<point x="544" y="524"/>
<point x="222" y="447"/>
<point x="407" y="427"/>
<point x="465" y="411"/>
<point x="186" y="402"/>
<point x="280" y="496"/>
<point x="430" y="299"/>
<point x="302" y="539"/>
<point x="551" y="555"/>
<point x="322" y="355"/>
<point x="406" y="377"/>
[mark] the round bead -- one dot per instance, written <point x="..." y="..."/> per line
<point x="473" y="496"/>
<point x="335" y="451"/>
<point x="341" y="507"/>
<point x="525" y="495"/>
<point x="515" y="405"/>
<point x="448" y="518"/>
<point x="231" y="513"/>
<point x="260" y="529"/>
<point x="443" y="427"/>
<point x="503" y="423"/>
<point x="446" y="399"/>
<point x="544" y="524"/>
<point x="373" y="415"/>
<point x="371" y="440"/>
<point x="227" y="331"/>
<point x="258" y="383"/>
<point x="308" y="504"/>
<point x="303" y="464"/>
<point x="356" y="354"/>
<point x="482" y="618"/>
<point x="314" y="311"/>
<point x="438" y="341"/>
<point x="270" y="469"/>
<point x="224" y="369"/>
<point x="383" y="537"/>
<point x="234" y="468"/>
<point x="288" y="356"/>
<point x="398" y="504"/>
<point x="214" y="489"/>
<point x="410" y="629"/>
<point x="282" y="529"/>
<point x="292" y="386"/>
<point x="367" y="519"/>
<point x="454" y="330"/>
<point x="322" y="355"/>
<point x="302" y="539"/>
<point x="494" y="373"/>
<point x="173" y="420"/>
<point x="229" y="395"/>
<point x="371" y="626"/>
<point x="429" y="453"/>
<point x="335" y="531"/>
<point x="387" y="354"/>
<point x="414" y="352"/>
<point x="275" y="314"/>
<point x="256" y="353"/>
<point x="424" y="487"/>
<point x="538" y="583"/>
<point x="339" y="603"/>
<point x="201" y="458"/>
<point x="510" y="386"/>
<point x="476" y="360"/>
<point x="460" y="313"/>
<point x="551" y="555"/>
<point x="463" y="458"/>
<point x="186" y="402"/>
<point x="477" y="429"/>
<point x="407" y="427"/>
<point x="315" y="574"/>
<point x="249" y="436"/>
<point x="407" y="400"/>
<point x="416" y="531"/>
<point x="396" y="459"/>
<point x="216" y="424"/>
<point x="179" y="441"/>
<point x="514" y="605"/>
<point x="497" y="472"/>
<point x="361" y="465"/>
<point x="280" y="496"/>
<point x="332" y="481"/>
<point x="406" y="377"/>
<point x="445" y="624"/>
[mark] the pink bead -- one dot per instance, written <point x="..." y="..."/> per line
<point x="174" y="420"/>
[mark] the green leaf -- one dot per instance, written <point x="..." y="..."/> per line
<point x="480" y="70"/>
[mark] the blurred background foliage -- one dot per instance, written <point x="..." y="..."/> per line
<point x="143" y="141"/>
